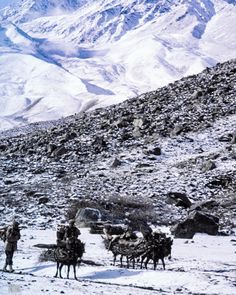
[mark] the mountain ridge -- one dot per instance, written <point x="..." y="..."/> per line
<point x="114" y="51"/>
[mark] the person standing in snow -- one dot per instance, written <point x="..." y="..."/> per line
<point x="12" y="237"/>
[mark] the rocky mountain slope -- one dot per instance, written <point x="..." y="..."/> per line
<point x="81" y="55"/>
<point x="135" y="155"/>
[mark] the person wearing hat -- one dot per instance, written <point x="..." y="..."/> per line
<point x="12" y="237"/>
<point x="71" y="234"/>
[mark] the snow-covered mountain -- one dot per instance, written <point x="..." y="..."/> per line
<point x="62" y="57"/>
<point x="27" y="10"/>
<point x="167" y="156"/>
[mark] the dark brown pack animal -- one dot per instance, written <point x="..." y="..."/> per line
<point x="157" y="250"/>
<point x="125" y="248"/>
<point x="69" y="257"/>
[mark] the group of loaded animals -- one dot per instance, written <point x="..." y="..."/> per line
<point x="155" y="246"/>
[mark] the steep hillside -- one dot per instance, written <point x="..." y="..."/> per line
<point x="81" y="55"/>
<point x="180" y="138"/>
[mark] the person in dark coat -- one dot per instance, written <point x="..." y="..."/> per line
<point x="12" y="237"/>
<point x="61" y="228"/>
<point x="71" y="234"/>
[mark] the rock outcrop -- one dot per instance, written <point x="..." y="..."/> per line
<point x="196" y="222"/>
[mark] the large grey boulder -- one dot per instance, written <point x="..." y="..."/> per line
<point x="208" y="166"/>
<point x="155" y="150"/>
<point x="179" y="199"/>
<point x="196" y="222"/>
<point x="59" y="151"/>
<point x="204" y="205"/>
<point x="85" y="216"/>
<point x="233" y="140"/>
<point x="116" y="163"/>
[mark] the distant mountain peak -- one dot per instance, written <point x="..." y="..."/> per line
<point x="26" y="10"/>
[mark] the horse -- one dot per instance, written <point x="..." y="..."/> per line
<point x="69" y="257"/>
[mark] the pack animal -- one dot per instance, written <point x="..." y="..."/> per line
<point x="126" y="248"/>
<point x="69" y="257"/>
<point x="157" y="251"/>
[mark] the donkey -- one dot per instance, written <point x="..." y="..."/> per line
<point x="69" y="257"/>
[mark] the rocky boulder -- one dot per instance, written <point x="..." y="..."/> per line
<point x="208" y="166"/>
<point x="204" y="205"/>
<point x="116" y="163"/>
<point x="196" y="222"/>
<point x="58" y="152"/>
<point x="43" y="200"/>
<point x="86" y="216"/>
<point x="179" y="199"/>
<point x="156" y="151"/>
<point x="233" y="140"/>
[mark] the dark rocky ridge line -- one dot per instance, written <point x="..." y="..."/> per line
<point x="142" y="148"/>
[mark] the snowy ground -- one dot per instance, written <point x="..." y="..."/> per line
<point x="204" y="265"/>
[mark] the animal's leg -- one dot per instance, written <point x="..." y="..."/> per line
<point x="57" y="270"/>
<point x="154" y="264"/>
<point x="127" y="261"/>
<point x="74" y="268"/>
<point x="163" y="263"/>
<point x="133" y="259"/>
<point x="114" y="259"/>
<point x="60" y="268"/>
<point x="121" y="260"/>
<point x="138" y="260"/>
<point x="146" y="262"/>
<point x="141" y="262"/>
<point x="68" y="271"/>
